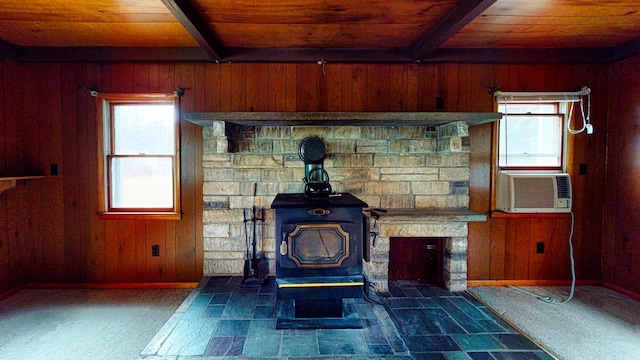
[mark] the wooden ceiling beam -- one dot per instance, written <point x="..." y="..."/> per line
<point x="626" y="50"/>
<point x="92" y="54"/>
<point x="188" y="16"/>
<point x="458" y="18"/>
<point x="329" y="55"/>
<point x="262" y="55"/>
<point x="521" y="56"/>
<point x="9" y="50"/>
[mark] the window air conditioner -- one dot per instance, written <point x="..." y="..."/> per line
<point x="533" y="193"/>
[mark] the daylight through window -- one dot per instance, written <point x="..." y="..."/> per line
<point x="531" y="136"/>
<point x="140" y="157"/>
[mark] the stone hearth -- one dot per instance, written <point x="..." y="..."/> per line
<point x="419" y="174"/>
<point x="450" y="224"/>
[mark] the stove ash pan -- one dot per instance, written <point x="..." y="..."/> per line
<point x="320" y="245"/>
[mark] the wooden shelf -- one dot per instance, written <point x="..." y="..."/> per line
<point x="341" y="118"/>
<point x="8" y="182"/>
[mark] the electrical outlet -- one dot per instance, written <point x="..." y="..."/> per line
<point x="582" y="170"/>
<point x="540" y="248"/>
<point x="155" y="250"/>
<point x="53" y="169"/>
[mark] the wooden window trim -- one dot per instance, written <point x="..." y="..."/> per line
<point x="104" y="139"/>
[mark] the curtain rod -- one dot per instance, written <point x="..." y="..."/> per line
<point x="585" y="90"/>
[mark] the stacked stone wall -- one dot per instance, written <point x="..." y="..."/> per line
<point x="388" y="167"/>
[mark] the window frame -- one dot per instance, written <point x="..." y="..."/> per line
<point x="105" y="139"/>
<point x="562" y="111"/>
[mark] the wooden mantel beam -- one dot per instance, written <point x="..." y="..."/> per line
<point x="341" y="118"/>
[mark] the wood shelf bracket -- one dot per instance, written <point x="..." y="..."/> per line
<point x="9" y="182"/>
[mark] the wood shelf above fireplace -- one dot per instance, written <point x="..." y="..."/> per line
<point x="341" y="118"/>
<point x="439" y="215"/>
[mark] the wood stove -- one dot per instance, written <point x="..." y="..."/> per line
<point x="320" y="245"/>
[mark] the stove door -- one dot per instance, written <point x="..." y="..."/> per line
<point x="317" y="245"/>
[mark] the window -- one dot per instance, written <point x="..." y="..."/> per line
<point x="139" y="156"/>
<point x="531" y="136"/>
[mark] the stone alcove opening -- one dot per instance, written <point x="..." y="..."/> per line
<point x="416" y="258"/>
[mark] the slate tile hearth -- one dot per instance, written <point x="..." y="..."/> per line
<point x="221" y="319"/>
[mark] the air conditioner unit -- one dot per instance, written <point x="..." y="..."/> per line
<point x="533" y="193"/>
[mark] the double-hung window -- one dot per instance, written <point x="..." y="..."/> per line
<point x="139" y="156"/>
<point x="531" y="136"/>
<point x="532" y="133"/>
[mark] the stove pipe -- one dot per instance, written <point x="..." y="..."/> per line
<point x="312" y="151"/>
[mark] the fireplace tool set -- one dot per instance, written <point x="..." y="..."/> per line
<point x="255" y="269"/>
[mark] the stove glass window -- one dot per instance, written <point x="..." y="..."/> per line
<point x="318" y="245"/>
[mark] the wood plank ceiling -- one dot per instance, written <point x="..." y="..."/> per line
<point x="320" y="30"/>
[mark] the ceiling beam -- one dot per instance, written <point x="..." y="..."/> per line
<point x="521" y="56"/>
<point x="330" y="56"/>
<point x="457" y="18"/>
<point x="92" y="54"/>
<point x="9" y="50"/>
<point x="623" y="51"/>
<point x="188" y="16"/>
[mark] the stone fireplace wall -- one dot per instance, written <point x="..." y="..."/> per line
<point x="388" y="167"/>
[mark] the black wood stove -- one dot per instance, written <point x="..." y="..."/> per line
<point x="320" y="246"/>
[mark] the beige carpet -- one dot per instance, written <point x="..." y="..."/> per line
<point x="83" y="324"/>
<point x="597" y="324"/>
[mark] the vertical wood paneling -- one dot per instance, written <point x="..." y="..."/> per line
<point x="69" y="168"/>
<point x="96" y="240"/>
<point x="291" y="87"/>
<point x="155" y="266"/>
<point x="498" y="250"/>
<point x="306" y="87"/>
<point x="626" y="237"/>
<point x="257" y="88"/>
<point x="5" y="271"/>
<point x="238" y="87"/>
<point x="358" y="83"/>
<point x="51" y="189"/>
<point x="321" y="88"/>
<point x="142" y="253"/>
<point x="398" y="79"/>
<point x="119" y="251"/>
<point x="186" y="228"/>
<point x="346" y="88"/>
<point x="277" y="87"/>
<point x="194" y="166"/>
<point x="378" y="89"/>
<point x="334" y="86"/>
<point x="609" y="225"/>
<point x="427" y="87"/>
<point x="126" y="254"/>
<point x="448" y="81"/>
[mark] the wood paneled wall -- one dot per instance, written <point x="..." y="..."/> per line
<point x="621" y="222"/>
<point x="49" y="231"/>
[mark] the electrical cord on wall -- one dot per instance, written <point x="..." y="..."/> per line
<point x="547" y="298"/>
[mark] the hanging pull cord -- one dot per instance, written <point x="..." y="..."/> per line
<point x="586" y="119"/>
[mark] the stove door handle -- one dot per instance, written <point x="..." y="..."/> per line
<point x="283" y="244"/>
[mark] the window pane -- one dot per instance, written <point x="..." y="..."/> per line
<point x="143" y="129"/>
<point x="530" y="140"/>
<point x="142" y="182"/>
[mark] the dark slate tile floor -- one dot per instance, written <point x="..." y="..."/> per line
<point x="220" y="319"/>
